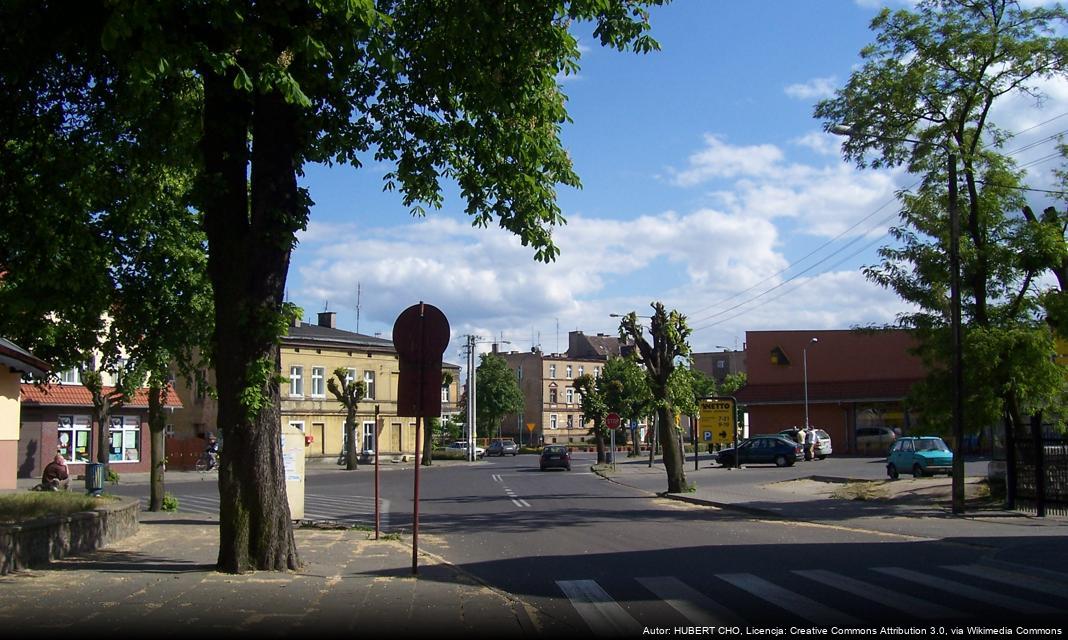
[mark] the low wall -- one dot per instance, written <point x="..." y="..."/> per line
<point x="38" y="542"/>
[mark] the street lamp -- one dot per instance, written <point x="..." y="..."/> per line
<point x="955" y="307"/>
<point x="804" y="367"/>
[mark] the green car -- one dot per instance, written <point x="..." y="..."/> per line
<point x="922" y="456"/>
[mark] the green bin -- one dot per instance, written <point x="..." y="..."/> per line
<point x="94" y="478"/>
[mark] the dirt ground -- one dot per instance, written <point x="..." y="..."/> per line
<point x="934" y="490"/>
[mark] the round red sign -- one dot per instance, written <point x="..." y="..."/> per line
<point x="612" y="421"/>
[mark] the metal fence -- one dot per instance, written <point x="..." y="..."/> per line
<point x="1054" y="495"/>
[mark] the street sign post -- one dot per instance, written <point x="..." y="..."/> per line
<point x="612" y="421"/>
<point x="719" y="421"/>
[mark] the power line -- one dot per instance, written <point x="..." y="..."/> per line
<point x="851" y="242"/>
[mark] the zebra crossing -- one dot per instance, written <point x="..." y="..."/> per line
<point x="822" y="597"/>
<point x="350" y="510"/>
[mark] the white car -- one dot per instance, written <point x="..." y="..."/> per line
<point x="461" y="445"/>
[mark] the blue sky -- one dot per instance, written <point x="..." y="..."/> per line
<point x="707" y="185"/>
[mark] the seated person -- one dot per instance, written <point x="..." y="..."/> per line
<point x="56" y="476"/>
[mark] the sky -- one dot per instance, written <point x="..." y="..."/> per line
<point x="707" y="186"/>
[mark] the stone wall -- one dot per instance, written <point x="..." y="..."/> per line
<point x="38" y="542"/>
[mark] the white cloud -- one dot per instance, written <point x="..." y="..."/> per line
<point x="721" y="160"/>
<point x="816" y="88"/>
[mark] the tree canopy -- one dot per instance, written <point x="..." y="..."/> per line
<point x="924" y="97"/>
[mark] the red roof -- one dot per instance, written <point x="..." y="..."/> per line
<point x="76" y="395"/>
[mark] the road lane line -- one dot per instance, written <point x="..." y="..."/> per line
<point x="793" y="602"/>
<point x="1012" y="578"/>
<point x="601" y="613"/>
<point x="967" y="591"/>
<point x="879" y="595"/>
<point x="695" y="606"/>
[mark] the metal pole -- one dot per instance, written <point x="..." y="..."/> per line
<point x="804" y="366"/>
<point x="474" y="405"/>
<point x="958" y="366"/>
<point x="378" y="509"/>
<point x="415" y="506"/>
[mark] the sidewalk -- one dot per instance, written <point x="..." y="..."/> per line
<point x="163" y="580"/>
<point x="912" y="509"/>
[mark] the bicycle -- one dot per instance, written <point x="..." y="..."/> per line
<point x="207" y="462"/>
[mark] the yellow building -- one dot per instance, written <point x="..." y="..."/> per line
<point x="14" y="362"/>
<point x="310" y="354"/>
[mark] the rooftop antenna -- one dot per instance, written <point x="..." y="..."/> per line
<point x="357" y="306"/>
<point x="557" y="335"/>
<point x="326" y="306"/>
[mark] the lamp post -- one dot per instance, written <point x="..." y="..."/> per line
<point x="957" y="359"/>
<point x="804" y="367"/>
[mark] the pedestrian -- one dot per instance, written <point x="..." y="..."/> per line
<point x="56" y="476"/>
<point x="810" y="442"/>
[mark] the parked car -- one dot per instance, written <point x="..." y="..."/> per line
<point x="823" y="441"/>
<point x="461" y="445"/>
<point x="875" y="440"/>
<point x="779" y="450"/>
<point x="922" y="456"/>
<point x="502" y="448"/>
<point x="555" y="455"/>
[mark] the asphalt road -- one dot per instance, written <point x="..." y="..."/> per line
<point x="589" y="555"/>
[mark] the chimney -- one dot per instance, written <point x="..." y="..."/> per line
<point x="328" y="319"/>
<point x="495" y="348"/>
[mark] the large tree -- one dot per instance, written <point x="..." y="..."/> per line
<point x="497" y="393"/>
<point x="349" y="392"/>
<point x="924" y="95"/>
<point x="594" y="409"/>
<point x="670" y="335"/>
<point x="627" y="393"/>
<point x="101" y="250"/>
<point x="464" y="91"/>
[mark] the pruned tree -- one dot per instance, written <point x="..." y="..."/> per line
<point x="670" y="335"/>
<point x="349" y="392"/>
<point x="431" y="425"/>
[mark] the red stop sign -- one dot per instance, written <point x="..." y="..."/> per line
<point x="612" y="421"/>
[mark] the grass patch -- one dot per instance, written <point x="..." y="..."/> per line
<point x="861" y="491"/>
<point x="19" y="507"/>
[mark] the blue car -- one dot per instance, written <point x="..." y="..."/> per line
<point x="922" y="456"/>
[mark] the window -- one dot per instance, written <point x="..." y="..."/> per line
<point x="369" y="436"/>
<point x="125" y="440"/>
<point x="582" y="370"/>
<point x="296" y="381"/>
<point x="570" y="421"/>
<point x="74" y="438"/>
<point x="298" y="425"/>
<point x="552" y="421"/>
<point x="350" y="376"/>
<point x="552" y="371"/>
<point x="568" y="370"/>
<point x="369" y="382"/>
<point x="570" y="395"/>
<point x="596" y="372"/>
<point x="318" y="382"/>
<point x="552" y="395"/>
<point x="445" y="393"/>
<point x="70" y="376"/>
<point x="519" y="373"/>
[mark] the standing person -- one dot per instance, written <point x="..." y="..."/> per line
<point x="56" y="475"/>
<point x="810" y="442"/>
<point x="212" y="452"/>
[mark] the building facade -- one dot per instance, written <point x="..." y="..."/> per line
<point x="552" y="407"/>
<point x="15" y="362"/>
<point x="855" y="379"/>
<point x="310" y="354"/>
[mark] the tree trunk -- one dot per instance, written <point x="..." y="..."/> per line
<point x="250" y="232"/>
<point x="598" y="438"/>
<point x="156" y="425"/>
<point x="352" y="451"/>
<point x="673" y="459"/>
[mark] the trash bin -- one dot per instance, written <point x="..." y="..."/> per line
<point x="94" y="478"/>
<point x="608" y="456"/>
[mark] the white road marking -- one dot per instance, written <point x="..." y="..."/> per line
<point x="601" y="613"/>
<point x="967" y="591"/>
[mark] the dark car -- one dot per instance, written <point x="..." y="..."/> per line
<point x="555" y="455"/>
<point x="502" y="448"/>
<point x="922" y="456"/>
<point x="778" y="450"/>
